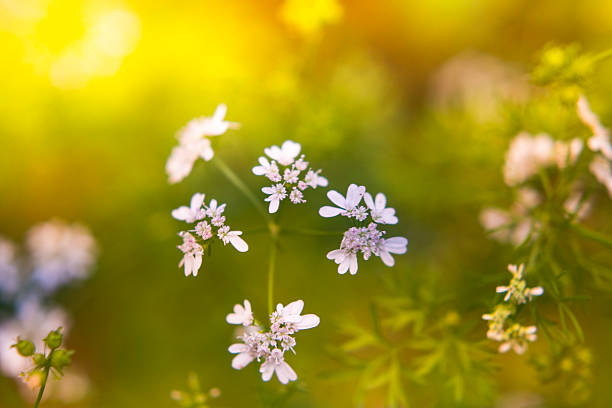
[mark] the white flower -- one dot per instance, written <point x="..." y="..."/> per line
<point x="517" y="337"/>
<point x="568" y="152"/>
<point x="291" y="176"/>
<point x="346" y="205"/>
<point x="526" y="155"/>
<point x="285" y="154"/>
<point x="314" y="179"/>
<point x="276" y="194"/>
<point x="575" y="204"/>
<point x="602" y="170"/>
<point x="9" y="273"/>
<point x="244" y="357"/>
<point x="192" y="213"/>
<point x="296" y="196"/>
<point x="32" y="322"/>
<point x="192" y="258"/>
<point x="242" y="314"/>
<point x="232" y="237"/>
<point x="292" y="314"/>
<point x="346" y="260"/>
<point x="395" y="245"/>
<point x="378" y="210"/>
<point x="207" y="126"/>
<point x="60" y="253"/>
<point x="268" y="169"/>
<point x="194" y="143"/>
<point x="204" y="230"/>
<point x="214" y="210"/>
<point x="275" y="363"/>
<point x="517" y="289"/>
<point x="600" y="141"/>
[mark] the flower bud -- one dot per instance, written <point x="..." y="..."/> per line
<point x="24" y="347"/>
<point x="54" y="339"/>
<point x="39" y="359"/>
<point x="61" y="359"/>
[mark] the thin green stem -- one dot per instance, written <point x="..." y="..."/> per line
<point x="602" y="56"/>
<point x="592" y="235"/>
<point x="271" y="271"/>
<point x="42" y="386"/>
<point x="240" y="185"/>
<point x="308" y="231"/>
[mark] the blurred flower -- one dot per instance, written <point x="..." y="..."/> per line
<point x="517" y="290"/>
<point x="516" y="338"/>
<point x="60" y="253"/>
<point x="395" y="245"/>
<point x="270" y="346"/>
<point x="566" y="153"/>
<point x="575" y="204"/>
<point x="286" y="156"/>
<point x="9" y="273"/>
<point x="32" y="321"/>
<point x="520" y="400"/>
<point x="602" y="170"/>
<point x="600" y="141"/>
<point x="309" y="16"/>
<point x="478" y="83"/>
<point x="194" y="143"/>
<point x="526" y="155"/>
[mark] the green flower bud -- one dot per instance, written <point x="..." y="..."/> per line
<point x="61" y="359"/>
<point x="54" y="339"/>
<point x="24" y="347"/>
<point x="39" y="359"/>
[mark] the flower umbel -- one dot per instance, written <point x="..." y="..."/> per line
<point x="268" y="346"/>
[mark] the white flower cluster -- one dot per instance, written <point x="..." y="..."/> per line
<point x="194" y="142"/>
<point x="287" y="178"/>
<point x="515" y="336"/>
<point x="268" y="346"/>
<point x="366" y="237"/>
<point x="208" y="221"/>
<point x="528" y="154"/>
<point x="60" y="253"/>
<point x="9" y="272"/>
<point x="601" y="166"/>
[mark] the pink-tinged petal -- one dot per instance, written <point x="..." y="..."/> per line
<point x="285" y="373"/>
<point x="197" y="263"/>
<point x="239" y="244"/>
<point x="242" y="360"/>
<point x="220" y="112"/>
<point x="266" y="370"/>
<point x="353" y="264"/>
<point x="504" y="347"/>
<point x="343" y="267"/>
<point x="369" y="201"/>
<point x="387" y="258"/>
<point x="381" y="201"/>
<point x="182" y="213"/>
<point x="396" y="245"/>
<point x="196" y="201"/>
<point x="259" y="170"/>
<point x="334" y="254"/>
<point x="267" y="190"/>
<point x="238" y="348"/>
<point x="273" y="152"/>
<point x="322" y="181"/>
<point x="294" y="308"/>
<point x="291" y="148"/>
<point x="308" y="322"/>
<point x="273" y="207"/>
<point x="336" y="198"/>
<point x="354" y="194"/>
<point x="328" y="211"/>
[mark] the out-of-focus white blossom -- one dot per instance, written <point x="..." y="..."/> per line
<point x="526" y="155"/>
<point x="33" y="322"/>
<point x="517" y="289"/>
<point x="194" y="143"/>
<point x="516" y="338"/>
<point x="269" y="347"/>
<point x="60" y="253"/>
<point x="288" y="181"/>
<point x="566" y="153"/>
<point x="9" y="273"/>
<point x="602" y="170"/>
<point x="600" y="141"/>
